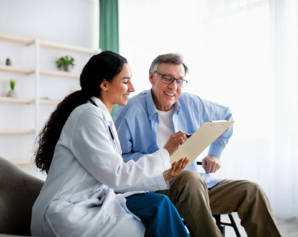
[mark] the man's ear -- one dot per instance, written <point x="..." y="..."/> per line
<point x="151" y="75"/>
<point x="104" y="85"/>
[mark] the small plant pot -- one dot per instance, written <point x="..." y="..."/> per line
<point x="12" y="94"/>
<point x="8" y="62"/>
<point x="67" y="68"/>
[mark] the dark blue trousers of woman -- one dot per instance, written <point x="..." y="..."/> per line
<point x="158" y="215"/>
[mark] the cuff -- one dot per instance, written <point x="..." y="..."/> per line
<point x="161" y="183"/>
<point x="165" y="156"/>
<point x="215" y="150"/>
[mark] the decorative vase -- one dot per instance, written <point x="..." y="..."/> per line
<point x="12" y="93"/>
<point x="66" y="68"/>
<point x="8" y="62"/>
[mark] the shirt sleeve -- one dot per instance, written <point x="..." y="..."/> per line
<point x="92" y="146"/>
<point x="212" y="112"/>
<point x="125" y="139"/>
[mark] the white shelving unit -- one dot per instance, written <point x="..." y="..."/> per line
<point x="16" y="39"/>
<point x="25" y="161"/>
<point x="49" y="102"/>
<point x="17" y="131"/>
<point x="53" y="45"/>
<point x="16" y="100"/>
<point x="27" y="101"/>
<point x="5" y="68"/>
<point x="36" y="101"/>
<point x="59" y="74"/>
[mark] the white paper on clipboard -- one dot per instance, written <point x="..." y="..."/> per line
<point x="200" y="140"/>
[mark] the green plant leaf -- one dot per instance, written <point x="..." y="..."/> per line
<point x="12" y="84"/>
<point x="66" y="60"/>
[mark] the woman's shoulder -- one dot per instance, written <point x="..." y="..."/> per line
<point x="86" y="112"/>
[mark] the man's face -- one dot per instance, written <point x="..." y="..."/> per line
<point x="166" y="95"/>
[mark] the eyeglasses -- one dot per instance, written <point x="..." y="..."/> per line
<point x="169" y="80"/>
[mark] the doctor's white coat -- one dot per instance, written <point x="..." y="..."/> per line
<point x="78" y="197"/>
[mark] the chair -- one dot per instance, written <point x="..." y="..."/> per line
<point x="18" y="192"/>
<point x="221" y="225"/>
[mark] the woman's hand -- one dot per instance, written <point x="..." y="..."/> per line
<point x="176" y="168"/>
<point x="174" y="141"/>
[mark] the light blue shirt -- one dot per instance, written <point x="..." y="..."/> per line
<point x="137" y="124"/>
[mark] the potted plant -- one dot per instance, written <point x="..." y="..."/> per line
<point x="8" y="62"/>
<point x="65" y="62"/>
<point x="12" y="92"/>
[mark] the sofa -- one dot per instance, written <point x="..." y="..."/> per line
<point x="18" y="192"/>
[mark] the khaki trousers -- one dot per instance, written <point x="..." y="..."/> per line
<point x="195" y="204"/>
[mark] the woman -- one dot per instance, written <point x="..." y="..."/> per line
<point x="80" y="151"/>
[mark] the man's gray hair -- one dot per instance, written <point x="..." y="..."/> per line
<point x="167" y="58"/>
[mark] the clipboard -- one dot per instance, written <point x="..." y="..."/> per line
<point x="200" y="140"/>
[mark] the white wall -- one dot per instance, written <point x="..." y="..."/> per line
<point x="242" y="54"/>
<point x="74" y="22"/>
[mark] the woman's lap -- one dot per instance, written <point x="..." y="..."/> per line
<point x="157" y="213"/>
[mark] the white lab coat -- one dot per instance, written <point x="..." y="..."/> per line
<point x="78" y="197"/>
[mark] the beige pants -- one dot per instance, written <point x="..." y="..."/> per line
<point x="195" y="203"/>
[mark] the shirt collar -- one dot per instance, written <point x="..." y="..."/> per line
<point x="151" y="108"/>
<point x="103" y="108"/>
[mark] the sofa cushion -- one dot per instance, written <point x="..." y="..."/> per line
<point x="18" y="192"/>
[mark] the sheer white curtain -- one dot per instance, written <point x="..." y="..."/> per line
<point x="242" y="54"/>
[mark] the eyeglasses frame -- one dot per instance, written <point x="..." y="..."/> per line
<point x="174" y="79"/>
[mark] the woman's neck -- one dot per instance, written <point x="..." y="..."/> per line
<point x="107" y="103"/>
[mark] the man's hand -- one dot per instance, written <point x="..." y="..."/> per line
<point x="174" y="141"/>
<point x="175" y="169"/>
<point x="211" y="164"/>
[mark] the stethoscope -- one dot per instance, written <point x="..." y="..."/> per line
<point x="108" y="125"/>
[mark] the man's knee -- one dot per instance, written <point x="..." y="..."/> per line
<point x="190" y="180"/>
<point x="252" y="189"/>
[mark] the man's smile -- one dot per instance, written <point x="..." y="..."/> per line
<point x="169" y="94"/>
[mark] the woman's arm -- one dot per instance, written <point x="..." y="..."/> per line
<point x="91" y="145"/>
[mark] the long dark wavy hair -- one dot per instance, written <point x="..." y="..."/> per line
<point x="105" y="65"/>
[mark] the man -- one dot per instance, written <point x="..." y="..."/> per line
<point x="165" y="113"/>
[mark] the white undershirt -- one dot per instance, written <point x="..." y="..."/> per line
<point x="166" y="127"/>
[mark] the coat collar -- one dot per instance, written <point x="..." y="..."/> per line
<point x="103" y="108"/>
<point x="108" y="118"/>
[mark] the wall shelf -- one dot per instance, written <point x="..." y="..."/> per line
<point x="16" y="100"/>
<point x="16" y="39"/>
<point x="59" y="74"/>
<point x="27" y="71"/>
<point x="53" y="45"/>
<point x="27" y="101"/>
<point x="52" y="102"/>
<point x="25" y="161"/>
<point x="17" y="131"/>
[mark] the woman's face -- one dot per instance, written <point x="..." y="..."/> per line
<point x="121" y="87"/>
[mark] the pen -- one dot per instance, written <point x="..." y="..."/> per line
<point x="188" y="136"/>
<point x="111" y="133"/>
